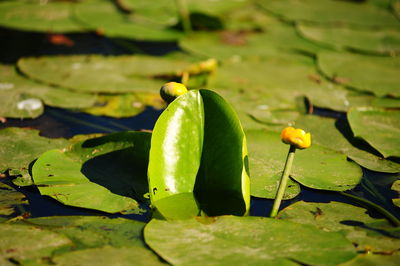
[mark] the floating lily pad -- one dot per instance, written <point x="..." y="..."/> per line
<point x="106" y="173"/>
<point x="316" y="167"/>
<point x="19" y="147"/>
<point x="379" y="75"/>
<point x="331" y="12"/>
<point x="23" y="98"/>
<point x="336" y="134"/>
<point x="365" y="232"/>
<point x="380" y="128"/>
<point x="23" y="243"/>
<point x="49" y="16"/>
<point x="11" y="202"/>
<point x="384" y="41"/>
<point x="245" y="240"/>
<point x="374" y="259"/>
<point x="112" y="74"/>
<point x="396" y="187"/>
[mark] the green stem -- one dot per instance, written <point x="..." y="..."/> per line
<point x="284" y="179"/>
<point x="185" y="15"/>
<point x="390" y="217"/>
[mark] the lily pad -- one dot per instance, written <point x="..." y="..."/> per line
<point x="23" y="98"/>
<point x="380" y="128"/>
<point x="331" y="12"/>
<point x="337" y="135"/>
<point x="378" y="75"/>
<point x="112" y="74"/>
<point x="23" y="243"/>
<point x="11" y="202"/>
<point x="49" y="16"/>
<point x="374" y="259"/>
<point x="316" y="167"/>
<point x="396" y="187"/>
<point x="245" y="240"/>
<point x="198" y="159"/>
<point x="384" y="41"/>
<point x="19" y="147"/>
<point x="106" y="173"/>
<point x="365" y="232"/>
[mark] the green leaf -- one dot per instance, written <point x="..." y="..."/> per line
<point x="365" y="232"/>
<point x="380" y="128"/>
<point x="22" y="98"/>
<point x="94" y="73"/>
<point x="11" y="202"/>
<point x="337" y="135"/>
<point x="374" y="259"/>
<point x="26" y="243"/>
<point x="316" y="167"/>
<point x="19" y="147"/>
<point x="245" y="240"/>
<point x="396" y="187"/>
<point x="106" y="173"/>
<point x="378" y="75"/>
<point x="198" y="148"/>
<point x="331" y="12"/>
<point x="51" y="16"/>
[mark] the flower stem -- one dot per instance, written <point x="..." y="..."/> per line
<point x="185" y="15"/>
<point x="283" y="182"/>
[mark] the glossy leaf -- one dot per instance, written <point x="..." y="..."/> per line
<point x="106" y="173"/>
<point x="379" y="128"/>
<point x="316" y="167"/>
<point x="378" y="75"/>
<point x="245" y="240"/>
<point x="11" y="202"/>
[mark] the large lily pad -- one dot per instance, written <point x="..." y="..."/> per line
<point x="381" y="42"/>
<point x="22" y="98"/>
<point x="331" y="12"/>
<point x="49" y="16"/>
<point x="19" y="147"/>
<point x="23" y="243"/>
<point x="335" y="134"/>
<point x="106" y="173"/>
<point x="198" y="156"/>
<point x="11" y="202"/>
<point x="93" y="73"/>
<point x="380" y="128"/>
<point x="378" y="75"/>
<point x="365" y="232"/>
<point x="374" y="259"/>
<point x="316" y="167"/>
<point x="245" y="240"/>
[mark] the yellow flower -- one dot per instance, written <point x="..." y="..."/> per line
<point x="297" y="137"/>
<point x="169" y="91"/>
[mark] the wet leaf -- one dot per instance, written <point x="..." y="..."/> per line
<point x="378" y="75"/>
<point x="106" y="173"/>
<point x="11" y="202"/>
<point x="374" y="259"/>
<point x="336" y="134"/>
<point x="396" y="187"/>
<point x="316" y="167"/>
<point x="380" y="128"/>
<point x="365" y="232"/>
<point x="245" y="240"/>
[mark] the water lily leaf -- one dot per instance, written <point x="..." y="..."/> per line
<point x="396" y="8"/>
<point x="331" y="12"/>
<point x="106" y="173"/>
<point x="51" y="16"/>
<point x="316" y="167"/>
<point x="112" y="74"/>
<point x="365" y="232"/>
<point x="378" y="75"/>
<point x="109" y="256"/>
<point x="396" y="187"/>
<point x="93" y="231"/>
<point x="374" y="259"/>
<point x="228" y="239"/>
<point x="23" y="98"/>
<point x="23" y="243"/>
<point x="19" y="147"/>
<point x="384" y="41"/>
<point x="378" y="127"/>
<point x="337" y="135"/>
<point x="196" y="139"/>
<point x="10" y="200"/>
<point x="147" y="21"/>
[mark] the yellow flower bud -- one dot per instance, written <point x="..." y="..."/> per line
<point x="169" y="91"/>
<point x="297" y="137"/>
